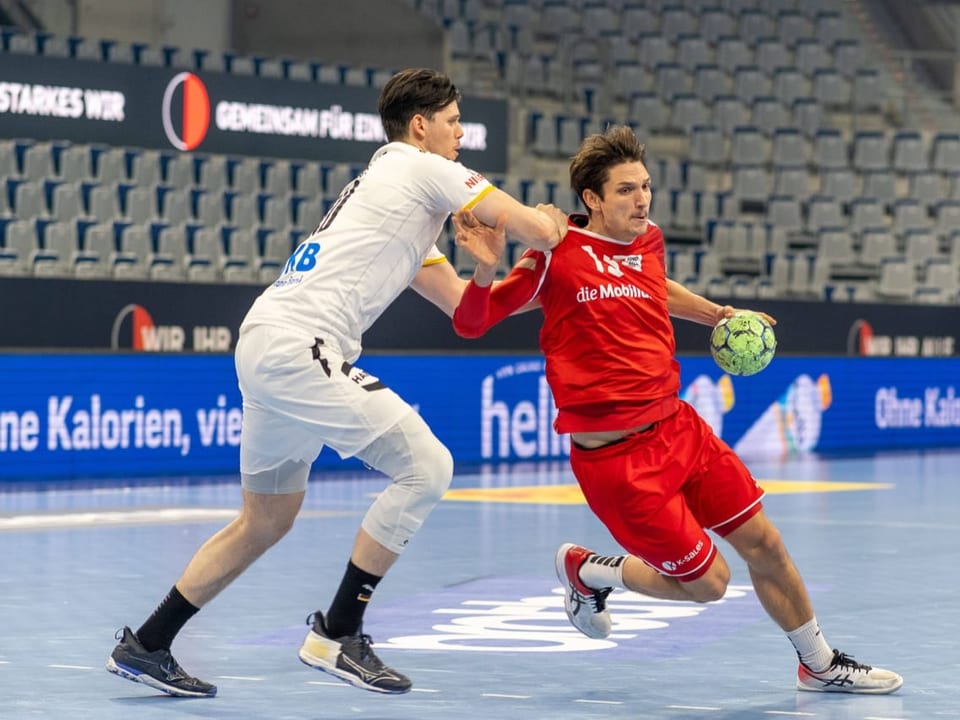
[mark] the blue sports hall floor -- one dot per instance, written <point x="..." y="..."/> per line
<point x="473" y="612"/>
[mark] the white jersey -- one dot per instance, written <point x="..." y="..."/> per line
<point x="375" y="238"/>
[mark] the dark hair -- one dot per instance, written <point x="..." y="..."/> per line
<point x="590" y="167"/>
<point x="415" y="91"/>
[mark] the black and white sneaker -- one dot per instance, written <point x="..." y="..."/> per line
<point x="586" y="606"/>
<point x="846" y="675"/>
<point x="349" y="658"/>
<point x="157" y="669"/>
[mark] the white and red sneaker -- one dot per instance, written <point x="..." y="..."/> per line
<point x="586" y="606"/>
<point x="846" y="675"/>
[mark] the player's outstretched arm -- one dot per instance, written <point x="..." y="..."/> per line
<point x="527" y="225"/>
<point x="686" y="304"/>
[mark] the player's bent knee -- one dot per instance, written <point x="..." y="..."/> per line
<point x="437" y="473"/>
<point x="712" y="585"/>
<point x="709" y="588"/>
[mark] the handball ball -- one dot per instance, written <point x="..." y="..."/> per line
<point x="743" y="344"/>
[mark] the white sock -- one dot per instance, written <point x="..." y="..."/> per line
<point x="602" y="571"/>
<point x="813" y="650"/>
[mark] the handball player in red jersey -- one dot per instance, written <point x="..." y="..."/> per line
<point x="650" y="468"/>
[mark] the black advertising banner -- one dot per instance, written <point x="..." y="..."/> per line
<point x="171" y="109"/>
<point x="65" y="314"/>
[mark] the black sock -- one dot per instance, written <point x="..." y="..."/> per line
<point x="345" y="615"/>
<point x="158" y="632"/>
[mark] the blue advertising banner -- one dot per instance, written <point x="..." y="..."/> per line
<point x="131" y="415"/>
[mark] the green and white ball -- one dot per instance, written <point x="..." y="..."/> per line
<point x="743" y="344"/>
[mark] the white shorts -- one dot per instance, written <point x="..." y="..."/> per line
<point x="299" y="395"/>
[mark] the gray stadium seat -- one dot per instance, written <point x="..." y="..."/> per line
<point x="771" y="54"/>
<point x="793" y="26"/>
<point x="716" y="23"/>
<point x="768" y="114"/>
<point x="750" y="182"/>
<point x="848" y="57"/>
<point x="808" y="115"/>
<point x="38" y="161"/>
<point x="897" y="280"/>
<point x="947" y="217"/>
<point x="927" y="186"/>
<point x="945" y="152"/>
<point x="880" y="184"/>
<point x="66" y="203"/>
<point x="909" y="152"/>
<point x="732" y="52"/>
<point x="730" y="112"/>
<point x="789" y="148"/>
<point x="830" y="149"/>
<point x="749" y="83"/>
<point x="824" y="212"/>
<point x="876" y="244"/>
<point x="909" y="214"/>
<point x="871" y="150"/>
<point x="103" y="203"/>
<point x="869" y="92"/>
<point x="74" y="165"/>
<point x="810" y="56"/>
<point x="793" y="181"/>
<point x="693" y="50"/>
<point x="707" y="145"/>
<point x="710" y="83"/>
<point x="789" y="84"/>
<point x="840" y="183"/>
<point x="866" y="214"/>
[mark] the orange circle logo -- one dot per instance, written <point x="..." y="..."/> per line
<point x="187" y="131"/>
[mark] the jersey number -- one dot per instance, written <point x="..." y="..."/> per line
<point x="338" y="204"/>
<point x="612" y="266"/>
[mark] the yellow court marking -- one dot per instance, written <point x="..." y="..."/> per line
<point x="571" y="495"/>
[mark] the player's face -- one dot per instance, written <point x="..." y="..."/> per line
<point x="621" y="212"/>
<point x="443" y="131"/>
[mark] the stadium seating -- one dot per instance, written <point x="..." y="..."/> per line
<point x="767" y="114"/>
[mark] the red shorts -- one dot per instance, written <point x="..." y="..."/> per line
<point x="659" y="490"/>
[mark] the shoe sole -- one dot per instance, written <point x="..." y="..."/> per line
<point x="322" y="665"/>
<point x="144" y="679"/>
<point x="863" y="691"/>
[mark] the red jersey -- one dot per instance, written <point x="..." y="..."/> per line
<point x="607" y="336"/>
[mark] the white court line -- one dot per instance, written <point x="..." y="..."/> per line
<point x="147" y="516"/>
<point x="599" y="702"/>
<point x="348" y="685"/>
<point x="509" y="697"/>
<point x="692" y="707"/>
<point x="239" y="677"/>
<point x="877" y="717"/>
<point x="71" y="667"/>
<point x="114" y="517"/>
<point x="793" y="713"/>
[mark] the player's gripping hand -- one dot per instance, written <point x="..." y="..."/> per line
<point x="485" y="244"/>
<point x="728" y="311"/>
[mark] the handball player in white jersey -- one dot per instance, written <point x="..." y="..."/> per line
<point x="301" y="390"/>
